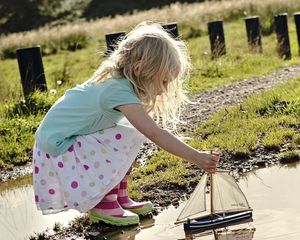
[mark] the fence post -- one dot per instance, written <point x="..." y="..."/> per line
<point x="31" y="70"/>
<point x="282" y="32"/>
<point x="253" y="34"/>
<point x="171" y="28"/>
<point x="112" y="41"/>
<point x="297" y="22"/>
<point x="217" y="38"/>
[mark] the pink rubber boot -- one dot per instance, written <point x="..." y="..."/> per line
<point x="140" y="208"/>
<point x="110" y="211"/>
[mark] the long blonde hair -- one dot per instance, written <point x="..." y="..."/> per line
<point x="149" y="57"/>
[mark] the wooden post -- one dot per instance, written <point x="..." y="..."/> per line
<point x="217" y="38"/>
<point x="297" y="22"/>
<point x="112" y="41"/>
<point x="253" y="34"/>
<point x="282" y="32"/>
<point x="31" y="70"/>
<point x="172" y="28"/>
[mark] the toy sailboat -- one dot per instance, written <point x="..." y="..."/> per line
<point x="228" y="203"/>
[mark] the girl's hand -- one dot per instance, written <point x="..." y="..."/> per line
<point x="207" y="161"/>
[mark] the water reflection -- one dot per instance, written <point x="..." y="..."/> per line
<point x="19" y="216"/>
<point x="272" y="192"/>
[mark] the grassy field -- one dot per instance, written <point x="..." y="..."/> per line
<point x="64" y="68"/>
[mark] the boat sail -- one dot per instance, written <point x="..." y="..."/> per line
<point x="227" y="203"/>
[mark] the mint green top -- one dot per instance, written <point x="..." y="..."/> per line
<point x="84" y="109"/>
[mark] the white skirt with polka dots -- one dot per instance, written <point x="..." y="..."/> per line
<point x="92" y="166"/>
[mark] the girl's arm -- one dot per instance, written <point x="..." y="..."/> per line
<point x="139" y="118"/>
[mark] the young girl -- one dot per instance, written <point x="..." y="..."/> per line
<point x="89" y="139"/>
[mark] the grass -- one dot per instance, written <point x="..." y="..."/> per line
<point x="270" y="120"/>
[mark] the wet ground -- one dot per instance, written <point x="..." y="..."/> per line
<point x="272" y="192"/>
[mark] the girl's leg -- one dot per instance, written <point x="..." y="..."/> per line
<point x="110" y="211"/>
<point x="140" y="208"/>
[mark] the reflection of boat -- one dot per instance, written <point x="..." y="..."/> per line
<point x="228" y="204"/>
<point x="236" y="234"/>
<point x="245" y="233"/>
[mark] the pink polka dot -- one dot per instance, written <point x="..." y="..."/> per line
<point x="65" y="206"/>
<point x="60" y="164"/>
<point x="108" y="161"/>
<point x="86" y="167"/>
<point x="74" y="184"/>
<point x="71" y="148"/>
<point x="51" y="191"/>
<point x="79" y="144"/>
<point x="36" y="197"/>
<point x="118" y="136"/>
<point x="36" y="170"/>
<point x="96" y="165"/>
<point x="47" y="155"/>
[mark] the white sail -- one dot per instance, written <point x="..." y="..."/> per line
<point x="197" y="202"/>
<point x="227" y="195"/>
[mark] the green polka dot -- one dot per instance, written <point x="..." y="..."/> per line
<point x="64" y="158"/>
<point x="103" y="151"/>
<point x="66" y="194"/>
<point x="101" y="131"/>
<point x="50" y="208"/>
<point x="92" y="184"/>
<point x="51" y="174"/>
<point x="92" y="152"/>
<point x="102" y="189"/>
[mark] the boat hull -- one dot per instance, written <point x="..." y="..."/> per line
<point x="208" y="222"/>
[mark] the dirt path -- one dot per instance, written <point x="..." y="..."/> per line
<point x="209" y="102"/>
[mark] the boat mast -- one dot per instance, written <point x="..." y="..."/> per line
<point x="211" y="196"/>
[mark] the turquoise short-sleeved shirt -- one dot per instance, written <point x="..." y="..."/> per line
<point x="84" y="109"/>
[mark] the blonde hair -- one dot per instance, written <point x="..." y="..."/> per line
<point x="149" y="57"/>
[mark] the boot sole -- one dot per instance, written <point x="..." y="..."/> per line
<point x="141" y="211"/>
<point x="126" y="221"/>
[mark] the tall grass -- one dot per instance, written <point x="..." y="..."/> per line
<point x="195" y="15"/>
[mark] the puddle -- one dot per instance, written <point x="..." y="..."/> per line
<point x="274" y="195"/>
<point x="272" y="192"/>
<point x="19" y="216"/>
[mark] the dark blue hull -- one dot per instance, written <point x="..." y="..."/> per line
<point x="206" y="223"/>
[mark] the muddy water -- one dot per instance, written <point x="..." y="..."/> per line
<point x="19" y="217"/>
<point x="273" y="193"/>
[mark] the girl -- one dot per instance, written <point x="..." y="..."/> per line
<point x="88" y="140"/>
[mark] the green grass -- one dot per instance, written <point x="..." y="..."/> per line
<point x="271" y="118"/>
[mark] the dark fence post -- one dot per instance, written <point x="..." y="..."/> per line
<point x="217" y="38"/>
<point x="253" y="34"/>
<point x="112" y="41"/>
<point x="282" y="32"/>
<point x="297" y="22"/>
<point x="31" y="70"/>
<point x="172" y="28"/>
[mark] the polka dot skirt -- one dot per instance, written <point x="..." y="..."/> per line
<point x="92" y="166"/>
